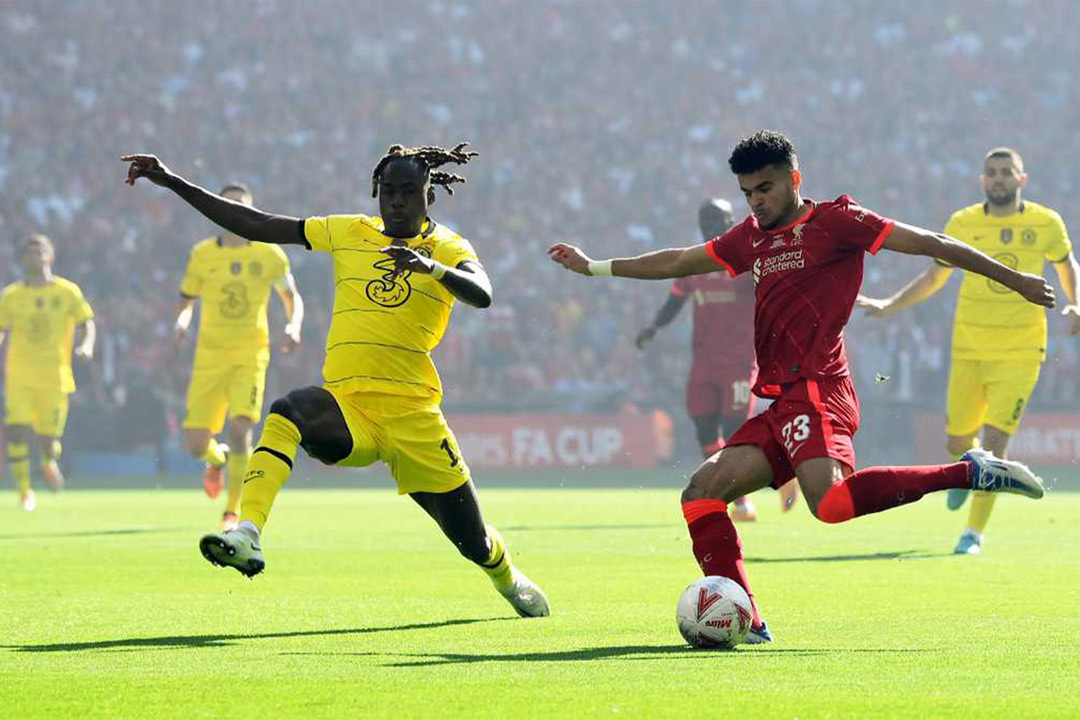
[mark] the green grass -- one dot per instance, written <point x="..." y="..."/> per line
<point x="108" y="610"/>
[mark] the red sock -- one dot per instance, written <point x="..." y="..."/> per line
<point x="880" y="488"/>
<point x="716" y="543"/>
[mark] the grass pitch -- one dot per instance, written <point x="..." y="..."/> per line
<point x="108" y="610"/>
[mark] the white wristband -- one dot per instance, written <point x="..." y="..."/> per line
<point x="439" y="271"/>
<point x="600" y="268"/>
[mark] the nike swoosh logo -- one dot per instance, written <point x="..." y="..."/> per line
<point x="758" y="241"/>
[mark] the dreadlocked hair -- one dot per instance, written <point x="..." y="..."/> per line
<point x="430" y="157"/>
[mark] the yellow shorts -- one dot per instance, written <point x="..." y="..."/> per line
<point x="44" y="410"/>
<point x="989" y="392"/>
<point x="410" y="435"/>
<point x="236" y="390"/>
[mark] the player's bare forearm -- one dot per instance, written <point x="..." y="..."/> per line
<point x="658" y="265"/>
<point x="89" y="337"/>
<point x="185" y="309"/>
<point x="469" y="283"/>
<point x="1068" y="271"/>
<point x="919" y="241"/>
<point x="924" y="286"/>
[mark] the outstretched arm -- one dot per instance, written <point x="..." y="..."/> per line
<point x="914" y="240"/>
<point x="658" y="265"/>
<point x="247" y="222"/>
<point x="468" y="282"/>
<point x="667" y="312"/>
<point x="919" y="289"/>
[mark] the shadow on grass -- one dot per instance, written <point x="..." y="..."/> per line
<point x="201" y="641"/>
<point x="559" y="528"/>
<point x="621" y="652"/>
<point x="897" y="555"/>
<point x="86" y="533"/>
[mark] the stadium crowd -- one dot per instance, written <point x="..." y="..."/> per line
<point x="601" y="123"/>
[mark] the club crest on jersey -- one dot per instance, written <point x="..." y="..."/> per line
<point x="1028" y="237"/>
<point x="796" y="234"/>
<point x="55" y="303"/>
<point x="255" y="268"/>
<point x="40" y="303"/>
<point x="236" y="268"/>
<point x="1006" y="235"/>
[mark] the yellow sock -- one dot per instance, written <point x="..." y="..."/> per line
<point x="18" y="457"/>
<point x="982" y="504"/>
<point x="269" y="467"/>
<point x="55" y="448"/>
<point x="499" y="565"/>
<point x="237" y="467"/>
<point x="215" y="453"/>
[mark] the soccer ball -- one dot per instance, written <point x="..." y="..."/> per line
<point x="714" y="612"/>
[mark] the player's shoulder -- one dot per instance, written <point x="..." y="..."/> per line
<point x="66" y="285"/>
<point x="269" y="251"/>
<point x="206" y="245"/>
<point x="1041" y="213"/>
<point x="972" y="213"/>
<point x="12" y="289"/>
<point x="446" y="234"/>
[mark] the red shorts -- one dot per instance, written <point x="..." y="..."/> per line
<point x="719" y="391"/>
<point x="810" y="419"/>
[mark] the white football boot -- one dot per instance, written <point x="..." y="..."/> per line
<point x="990" y="473"/>
<point x="237" y="548"/>
<point x="526" y="597"/>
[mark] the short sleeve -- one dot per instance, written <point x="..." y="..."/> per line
<point x="192" y="283"/>
<point x="319" y="233"/>
<point x="80" y="309"/>
<point x="1058" y="246"/>
<point x="679" y="288"/>
<point x="5" y="312"/>
<point x="281" y="263"/>
<point x="857" y="226"/>
<point x="729" y="250"/>
<point x="454" y="251"/>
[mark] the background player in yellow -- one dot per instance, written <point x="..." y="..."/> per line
<point x="396" y="281"/>
<point x="40" y="314"/>
<point x="999" y="340"/>
<point x="233" y="277"/>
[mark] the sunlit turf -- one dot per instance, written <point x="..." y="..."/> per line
<point x="108" y="610"/>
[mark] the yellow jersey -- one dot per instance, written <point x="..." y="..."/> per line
<point x="233" y="284"/>
<point x="384" y="326"/>
<point x="40" y="322"/>
<point x="993" y="322"/>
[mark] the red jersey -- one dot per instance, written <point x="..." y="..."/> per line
<point x="806" y="277"/>
<point x="723" y="319"/>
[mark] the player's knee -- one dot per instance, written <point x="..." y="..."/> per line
<point x="240" y="434"/>
<point x="288" y="409"/>
<point x="710" y="481"/>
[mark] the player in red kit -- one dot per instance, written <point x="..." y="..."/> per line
<point x="806" y="260"/>
<point x="722" y="371"/>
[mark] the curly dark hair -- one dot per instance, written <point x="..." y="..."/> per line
<point x="428" y="157"/>
<point x="763" y="148"/>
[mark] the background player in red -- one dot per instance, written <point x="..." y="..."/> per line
<point x="806" y="260"/>
<point x="718" y="397"/>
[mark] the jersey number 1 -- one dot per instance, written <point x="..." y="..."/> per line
<point x="445" y="445"/>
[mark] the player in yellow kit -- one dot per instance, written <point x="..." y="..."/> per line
<point x="999" y="340"/>
<point x="40" y="314"/>
<point x="232" y="277"/>
<point x="396" y="280"/>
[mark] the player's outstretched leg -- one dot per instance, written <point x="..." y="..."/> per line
<point x="311" y="416"/>
<point x="957" y="445"/>
<point x="736" y="471"/>
<point x="458" y="515"/>
<point x="834" y="498"/>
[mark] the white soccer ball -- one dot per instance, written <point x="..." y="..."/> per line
<point x="714" y="612"/>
